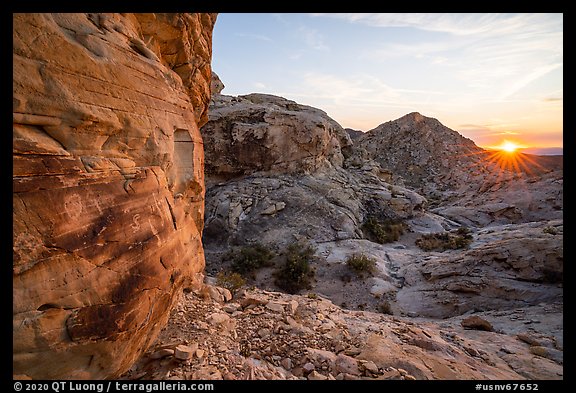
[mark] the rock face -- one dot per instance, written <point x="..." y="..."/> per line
<point x="108" y="184"/>
<point x="265" y="133"/>
<point x="324" y="206"/>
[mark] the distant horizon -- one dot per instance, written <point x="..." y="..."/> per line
<point x="490" y="77"/>
<point x="541" y="151"/>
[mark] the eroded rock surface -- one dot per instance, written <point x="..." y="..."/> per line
<point x="505" y="267"/>
<point x="108" y="184"/>
<point x="265" y="133"/>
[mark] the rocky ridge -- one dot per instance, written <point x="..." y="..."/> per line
<point x="421" y="149"/>
<point x="467" y="182"/>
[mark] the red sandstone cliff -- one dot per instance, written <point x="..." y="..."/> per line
<point x="108" y="184"/>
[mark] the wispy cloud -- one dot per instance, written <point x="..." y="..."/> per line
<point x="357" y="90"/>
<point x="524" y="81"/>
<point x="496" y="55"/>
<point x="492" y="134"/>
<point x="553" y="99"/>
<point x="454" y="23"/>
<point x="418" y="50"/>
<point x="259" y="85"/>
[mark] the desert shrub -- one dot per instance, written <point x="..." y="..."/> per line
<point x="361" y="264"/>
<point x="230" y="280"/>
<point x="385" y="307"/>
<point x="385" y="231"/>
<point x="251" y="258"/>
<point x="461" y="238"/>
<point x="296" y="273"/>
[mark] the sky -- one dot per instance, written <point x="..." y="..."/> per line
<point x="491" y="77"/>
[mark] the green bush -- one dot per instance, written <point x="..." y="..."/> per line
<point x="296" y="273"/>
<point x="461" y="238"/>
<point x="230" y="280"/>
<point x="386" y="231"/>
<point x="251" y="258"/>
<point x="361" y="264"/>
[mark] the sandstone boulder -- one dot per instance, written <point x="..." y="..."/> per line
<point x="260" y="132"/>
<point x="476" y="322"/>
<point x="108" y="184"/>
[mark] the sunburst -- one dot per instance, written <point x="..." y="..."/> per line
<point x="498" y="165"/>
<point x="509" y="147"/>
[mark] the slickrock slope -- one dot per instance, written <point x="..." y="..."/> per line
<point x="108" y="184"/>
<point x="324" y="206"/>
<point x="270" y="335"/>
<point x="505" y="267"/>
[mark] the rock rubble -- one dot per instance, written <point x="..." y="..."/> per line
<point x="266" y="341"/>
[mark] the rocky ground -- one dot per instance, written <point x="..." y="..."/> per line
<point x="260" y="334"/>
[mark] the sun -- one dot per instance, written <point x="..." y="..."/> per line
<point x="509" y="147"/>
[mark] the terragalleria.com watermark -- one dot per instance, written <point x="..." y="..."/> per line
<point x="110" y="386"/>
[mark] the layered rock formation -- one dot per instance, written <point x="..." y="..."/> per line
<point x="108" y="184"/>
